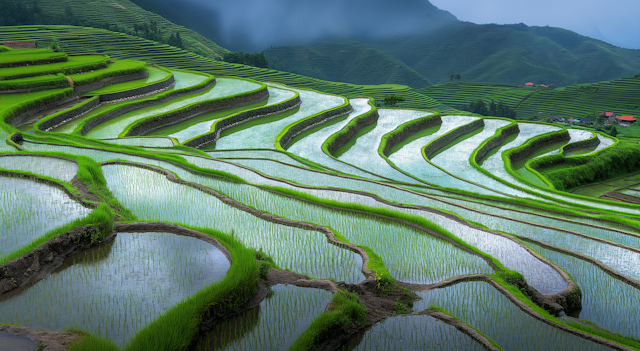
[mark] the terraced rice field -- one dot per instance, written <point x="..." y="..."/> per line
<point x="318" y="223"/>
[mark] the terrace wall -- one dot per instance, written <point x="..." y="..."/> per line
<point x="138" y="91"/>
<point x="150" y="124"/>
<point x="81" y="89"/>
<point x="449" y="137"/>
<point x="583" y="144"/>
<point x="409" y="129"/>
<point x="531" y="145"/>
<point x="351" y="130"/>
<point x="308" y="123"/>
<point x="68" y="115"/>
<point x="39" y="107"/>
<point x="134" y="106"/>
<point x="496" y="140"/>
<point x="240" y="118"/>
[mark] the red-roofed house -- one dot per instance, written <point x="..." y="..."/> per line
<point x="544" y="86"/>
<point x="625" y="121"/>
<point x="528" y="84"/>
<point x="572" y="120"/>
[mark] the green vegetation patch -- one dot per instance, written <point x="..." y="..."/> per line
<point x="155" y="75"/>
<point x="118" y="68"/>
<point x="75" y="64"/>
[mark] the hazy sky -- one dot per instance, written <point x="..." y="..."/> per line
<point x="614" y="21"/>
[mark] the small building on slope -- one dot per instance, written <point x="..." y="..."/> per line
<point x="21" y="44"/>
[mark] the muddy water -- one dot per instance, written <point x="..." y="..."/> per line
<point x="116" y="289"/>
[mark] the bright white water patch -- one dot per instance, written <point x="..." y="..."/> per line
<point x="263" y="136"/>
<point x="311" y="146"/>
<point x="276" y="96"/>
<point x="364" y="153"/>
<point x="223" y="88"/>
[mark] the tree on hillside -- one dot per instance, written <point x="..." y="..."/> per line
<point x="481" y="108"/>
<point x="456" y="76"/>
<point x="175" y="40"/>
<point x="257" y="59"/>
<point x="392" y="100"/>
<point x="613" y="132"/>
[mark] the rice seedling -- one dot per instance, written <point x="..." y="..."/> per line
<point x="152" y="197"/>
<point x="364" y="153"/>
<point x="114" y="290"/>
<point x="145" y="142"/>
<point x="48" y="166"/>
<point x="606" y="301"/>
<point x="224" y="87"/>
<point x="411" y="333"/>
<point x="274" y="325"/>
<point x="188" y="130"/>
<point x="487" y="310"/>
<point x="263" y="136"/>
<point x="310" y="147"/>
<point x="30" y="209"/>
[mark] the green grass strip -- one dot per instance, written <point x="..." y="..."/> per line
<point x="177" y="328"/>
<point x="350" y="132"/>
<point x="346" y="312"/>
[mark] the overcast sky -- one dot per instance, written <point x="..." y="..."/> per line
<point x="614" y="21"/>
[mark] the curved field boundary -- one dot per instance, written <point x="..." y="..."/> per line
<point x="85" y="126"/>
<point x="591" y="142"/>
<point x="435" y="145"/>
<point x="23" y="110"/>
<point x="406" y="130"/>
<point x="465" y="328"/>
<point x="106" y="79"/>
<point x="104" y="63"/>
<point x="591" y="260"/>
<point x="329" y="234"/>
<point x="498" y="139"/>
<point x="53" y="121"/>
<point x="76" y="196"/>
<point x="284" y="138"/>
<point x="28" y="85"/>
<point x="490" y="260"/>
<point x="54" y="58"/>
<point x="151" y="123"/>
<point x="241" y="117"/>
<point x="523" y="306"/>
<point x="428" y="158"/>
<point x="383" y="146"/>
<point x="348" y="132"/>
<point x="48" y="256"/>
<point x="493" y="142"/>
<point x="133" y="93"/>
<point x="523" y="151"/>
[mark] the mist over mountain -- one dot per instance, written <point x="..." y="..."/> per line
<point x="254" y="25"/>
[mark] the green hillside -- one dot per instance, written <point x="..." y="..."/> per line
<point x="350" y="61"/>
<point x="505" y="54"/>
<point x="124" y="14"/>
<point x="79" y="40"/>
<point x="576" y="101"/>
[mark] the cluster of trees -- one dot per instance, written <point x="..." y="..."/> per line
<point x="392" y="100"/>
<point x="492" y="109"/>
<point x="455" y="76"/>
<point x="257" y="59"/>
<point x="19" y="12"/>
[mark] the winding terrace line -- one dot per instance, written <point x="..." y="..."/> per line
<point x="548" y="300"/>
<point x="522" y="306"/>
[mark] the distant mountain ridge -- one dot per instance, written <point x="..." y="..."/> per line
<point x="506" y="54"/>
